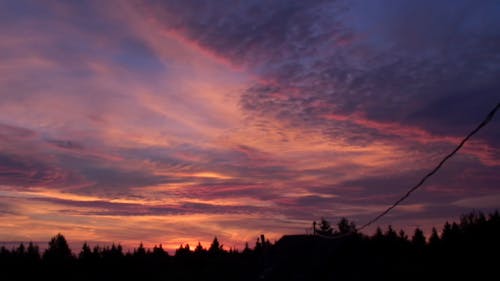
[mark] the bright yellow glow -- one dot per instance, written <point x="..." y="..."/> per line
<point x="210" y="175"/>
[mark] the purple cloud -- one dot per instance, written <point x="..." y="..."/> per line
<point x="255" y="116"/>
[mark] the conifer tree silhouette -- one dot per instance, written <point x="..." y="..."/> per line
<point x="58" y="249"/>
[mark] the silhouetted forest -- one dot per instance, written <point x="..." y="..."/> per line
<point x="469" y="249"/>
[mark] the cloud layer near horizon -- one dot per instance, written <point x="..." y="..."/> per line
<point x="170" y="121"/>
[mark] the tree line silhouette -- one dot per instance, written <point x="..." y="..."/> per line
<point x="467" y="249"/>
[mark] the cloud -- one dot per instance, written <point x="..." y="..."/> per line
<point x="362" y="77"/>
<point x="488" y="201"/>
<point x="7" y="132"/>
<point x="15" y="171"/>
<point x="240" y="117"/>
<point x="320" y="58"/>
<point x="66" y="144"/>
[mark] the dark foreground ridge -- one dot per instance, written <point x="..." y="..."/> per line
<point x="465" y="250"/>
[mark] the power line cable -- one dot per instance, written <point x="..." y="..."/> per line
<point x="488" y="118"/>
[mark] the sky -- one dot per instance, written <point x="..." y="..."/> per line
<point x="176" y="121"/>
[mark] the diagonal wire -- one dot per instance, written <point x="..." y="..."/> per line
<point x="488" y="118"/>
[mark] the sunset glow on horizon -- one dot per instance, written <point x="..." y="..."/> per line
<point x="171" y="122"/>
